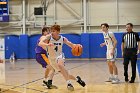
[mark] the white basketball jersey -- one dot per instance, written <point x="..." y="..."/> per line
<point x="56" y="50"/>
<point x="108" y="39"/>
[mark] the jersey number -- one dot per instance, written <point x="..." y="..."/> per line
<point x="56" y="48"/>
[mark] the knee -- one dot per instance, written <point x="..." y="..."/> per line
<point x="49" y="67"/>
<point x="60" y="65"/>
<point x="113" y="64"/>
<point x="110" y="64"/>
<point x="52" y="70"/>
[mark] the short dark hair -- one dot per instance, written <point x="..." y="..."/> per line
<point x="45" y="29"/>
<point x="105" y="24"/>
<point x="130" y="24"/>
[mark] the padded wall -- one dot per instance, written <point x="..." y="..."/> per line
<point x="85" y="43"/>
<point x="32" y="43"/>
<point x="11" y="45"/>
<point x="94" y="46"/>
<point x="90" y="41"/>
<point x="23" y="46"/>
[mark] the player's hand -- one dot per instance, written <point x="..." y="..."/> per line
<point x="80" y="45"/>
<point x="76" y="44"/>
<point x="50" y="44"/>
<point x="102" y="44"/>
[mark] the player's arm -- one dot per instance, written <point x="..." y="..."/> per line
<point x="102" y="44"/>
<point x="114" y="41"/>
<point x="44" y="41"/>
<point x="67" y="42"/>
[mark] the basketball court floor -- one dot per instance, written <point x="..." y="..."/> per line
<point x="26" y="76"/>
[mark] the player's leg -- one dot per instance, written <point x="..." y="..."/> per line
<point x="110" y="67"/>
<point x="78" y="79"/>
<point x="43" y="60"/>
<point x="115" y="70"/>
<point x="49" y="77"/>
<point x="113" y="63"/>
<point x="47" y="70"/>
<point x="108" y="56"/>
<point x="67" y="76"/>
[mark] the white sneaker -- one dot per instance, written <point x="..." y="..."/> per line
<point x="115" y="81"/>
<point x="110" y="79"/>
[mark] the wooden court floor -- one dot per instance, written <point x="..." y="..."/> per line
<point x="25" y="76"/>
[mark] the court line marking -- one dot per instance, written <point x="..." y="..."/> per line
<point x="18" y="86"/>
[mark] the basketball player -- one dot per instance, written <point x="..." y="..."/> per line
<point x="42" y="58"/>
<point x="56" y="55"/>
<point x="110" y="42"/>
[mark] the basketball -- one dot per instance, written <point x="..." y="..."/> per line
<point x="77" y="50"/>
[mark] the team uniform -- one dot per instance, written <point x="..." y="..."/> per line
<point x="109" y="43"/>
<point x="42" y="59"/>
<point x="55" y="52"/>
<point x="41" y="55"/>
<point x="55" y="55"/>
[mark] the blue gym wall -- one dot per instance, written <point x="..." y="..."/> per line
<point x="32" y="43"/>
<point x="23" y="46"/>
<point x="11" y="45"/>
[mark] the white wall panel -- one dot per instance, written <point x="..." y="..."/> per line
<point x="99" y="11"/>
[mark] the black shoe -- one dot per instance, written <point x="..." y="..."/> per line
<point x="70" y="87"/>
<point x="131" y="81"/>
<point x="80" y="81"/>
<point x="126" y="79"/>
<point x="50" y="86"/>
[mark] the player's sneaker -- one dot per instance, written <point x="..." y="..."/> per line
<point x="80" y="81"/>
<point x="126" y="79"/>
<point x="115" y="81"/>
<point x="70" y="87"/>
<point x="131" y="81"/>
<point x="50" y="86"/>
<point x="110" y="79"/>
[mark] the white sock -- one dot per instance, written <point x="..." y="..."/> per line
<point x="116" y="76"/>
<point x="111" y="75"/>
<point x="68" y="82"/>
